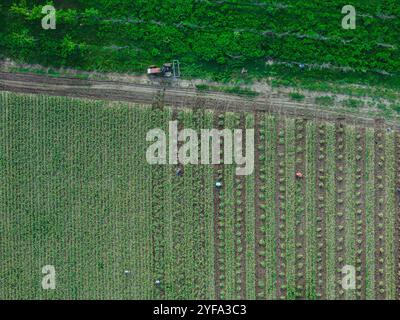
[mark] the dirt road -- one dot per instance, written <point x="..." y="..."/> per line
<point x="166" y="92"/>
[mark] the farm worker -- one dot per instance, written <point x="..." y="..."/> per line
<point x="299" y="175"/>
<point x="127" y="273"/>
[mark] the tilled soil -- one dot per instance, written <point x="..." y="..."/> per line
<point x="360" y="231"/>
<point x="380" y="195"/>
<point x="174" y="97"/>
<point x="240" y="227"/>
<point x="300" y="210"/>
<point x="321" y="212"/>
<point x="281" y="197"/>
<point x="397" y="224"/>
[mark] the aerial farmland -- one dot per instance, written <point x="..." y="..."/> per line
<point x="92" y="205"/>
<point x="85" y="215"/>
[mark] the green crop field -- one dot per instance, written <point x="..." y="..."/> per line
<point x="77" y="193"/>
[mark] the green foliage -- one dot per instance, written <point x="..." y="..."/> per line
<point x="296" y="96"/>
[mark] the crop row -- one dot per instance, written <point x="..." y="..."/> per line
<point x="291" y="257"/>
<point x="61" y="179"/>
<point x="281" y="210"/>
<point x="340" y="175"/>
<point x="229" y="201"/>
<point x="330" y="212"/>
<point x="239" y="213"/>
<point x="202" y="215"/>
<point x="266" y="228"/>
<point x="250" y="226"/>
<point x="179" y="243"/>
<point x="300" y="208"/>
<point x="135" y="230"/>
<point x="219" y="222"/>
<point x="390" y="215"/>
<point x="359" y="192"/>
<point x="397" y="215"/>
<point x="189" y="243"/>
<point x="369" y="179"/>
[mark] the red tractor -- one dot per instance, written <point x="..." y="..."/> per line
<point x="168" y="70"/>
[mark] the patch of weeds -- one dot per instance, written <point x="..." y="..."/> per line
<point x="353" y="103"/>
<point x="296" y="96"/>
<point x="232" y="90"/>
<point x="202" y="87"/>
<point x="395" y="107"/>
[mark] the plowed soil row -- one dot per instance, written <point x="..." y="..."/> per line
<point x="340" y="205"/>
<point x="397" y="223"/>
<point x="172" y="96"/>
<point x="360" y="225"/>
<point x="380" y="196"/>
<point x="321" y="212"/>
<point x="281" y="281"/>
<point x="259" y="235"/>
<point x="218" y="230"/>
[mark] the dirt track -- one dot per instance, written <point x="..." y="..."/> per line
<point x="174" y="97"/>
